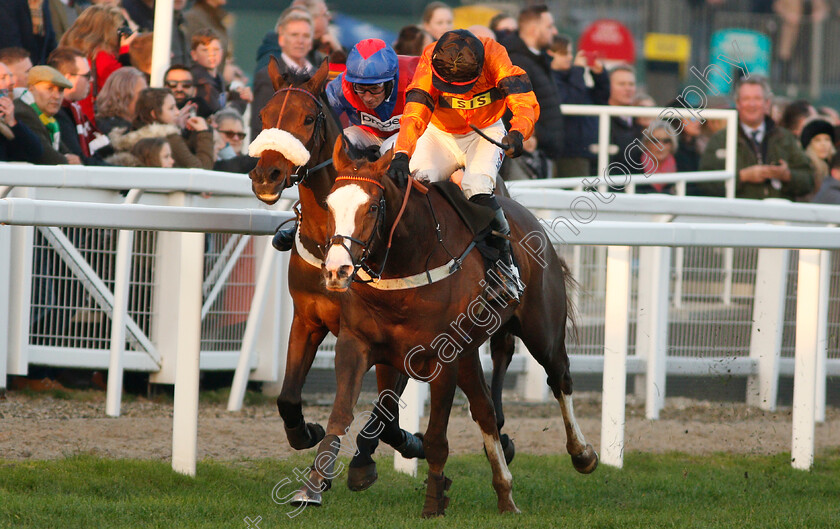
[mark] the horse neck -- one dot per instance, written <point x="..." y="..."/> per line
<point x="314" y="190"/>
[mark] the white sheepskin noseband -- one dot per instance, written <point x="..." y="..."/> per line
<point x="282" y="142"/>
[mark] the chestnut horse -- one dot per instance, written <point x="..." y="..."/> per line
<point x="422" y="330"/>
<point x="296" y="147"/>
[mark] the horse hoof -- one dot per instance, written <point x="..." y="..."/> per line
<point x="508" y="448"/>
<point x="361" y="478"/>
<point x="305" y="435"/>
<point x="306" y="497"/>
<point x="508" y="508"/>
<point x="587" y="461"/>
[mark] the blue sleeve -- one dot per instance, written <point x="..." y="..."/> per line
<point x="336" y="98"/>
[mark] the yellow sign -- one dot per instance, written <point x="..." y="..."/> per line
<point x="668" y="48"/>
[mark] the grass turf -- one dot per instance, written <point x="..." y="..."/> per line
<point x="672" y="490"/>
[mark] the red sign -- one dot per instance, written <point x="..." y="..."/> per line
<point x="610" y="40"/>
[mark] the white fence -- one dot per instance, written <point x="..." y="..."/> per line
<point x="90" y="197"/>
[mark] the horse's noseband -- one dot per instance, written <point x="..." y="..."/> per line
<point x="297" y="177"/>
<point x="345" y="241"/>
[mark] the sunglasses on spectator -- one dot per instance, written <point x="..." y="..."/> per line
<point x="87" y="76"/>
<point x="233" y="134"/>
<point x="174" y="84"/>
<point x="372" y="89"/>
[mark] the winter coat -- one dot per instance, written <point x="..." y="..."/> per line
<point x="23" y="147"/>
<point x="194" y="151"/>
<point x="580" y="132"/>
<point x="549" y="128"/>
<point x="50" y="156"/>
<point x="778" y="144"/>
<point x="16" y="30"/>
<point x="270" y="46"/>
<point x="829" y="192"/>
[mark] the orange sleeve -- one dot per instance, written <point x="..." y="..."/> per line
<point x="515" y="85"/>
<point x="419" y="105"/>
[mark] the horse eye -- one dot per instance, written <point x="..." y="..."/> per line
<point x="374" y="208"/>
<point x="309" y="120"/>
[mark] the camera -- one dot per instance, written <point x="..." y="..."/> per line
<point x="4" y="92"/>
<point x="124" y="31"/>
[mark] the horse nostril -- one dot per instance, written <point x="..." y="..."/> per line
<point x="345" y="271"/>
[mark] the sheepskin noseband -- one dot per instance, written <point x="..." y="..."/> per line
<point x="282" y="142"/>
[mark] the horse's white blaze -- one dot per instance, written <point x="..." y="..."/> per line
<point x="344" y="203"/>
<point x="281" y="141"/>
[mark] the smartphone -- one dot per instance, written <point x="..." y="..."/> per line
<point x="124" y="31"/>
<point x="4" y="92"/>
<point x="193" y="110"/>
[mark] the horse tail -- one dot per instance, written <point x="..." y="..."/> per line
<point x="571" y="310"/>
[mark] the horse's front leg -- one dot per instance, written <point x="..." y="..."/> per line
<point x="383" y="424"/>
<point x="435" y="444"/>
<point x="304" y="340"/>
<point x="351" y="363"/>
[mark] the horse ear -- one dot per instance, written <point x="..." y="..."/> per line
<point x="319" y="79"/>
<point x="380" y="166"/>
<point x="274" y="73"/>
<point x="340" y="159"/>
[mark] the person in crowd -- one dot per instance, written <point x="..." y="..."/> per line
<point x="78" y="133"/>
<point x="770" y="163"/>
<point x="232" y="158"/>
<point x="660" y="146"/>
<point x="796" y="114"/>
<point x="142" y="12"/>
<point x="140" y="53"/>
<point x="17" y="142"/>
<point x="180" y="44"/>
<point x="209" y="14"/>
<point x="526" y="49"/>
<point x="294" y="30"/>
<point x="644" y="100"/>
<point x="503" y="24"/>
<point x="435" y="140"/>
<point x="623" y="129"/>
<point x="412" y="40"/>
<point x="818" y="141"/>
<point x="580" y="133"/>
<point x="116" y="104"/>
<point x="153" y="152"/>
<point x="437" y="19"/>
<point x="27" y="24"/>
<point x="179" y="80"/>
<point x="99" y="34"/>
<point x="829" y="192"/>
<point x="206" y="53"/>
<point x="63" y="13"/>
<point x="271" y="46"/>
<point x="19" y="63"/>
<point x="324" y="41"/>
<point x="37" y="107"/>
<point x="157" y="116"/>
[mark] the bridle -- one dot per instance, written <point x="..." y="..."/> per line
<point x="296" y="177"/>
<point x="345" y="241"/>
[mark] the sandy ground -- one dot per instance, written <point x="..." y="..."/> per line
<point x="39" y="427"/>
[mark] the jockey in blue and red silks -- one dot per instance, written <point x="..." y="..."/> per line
<point x="371" y="92"/>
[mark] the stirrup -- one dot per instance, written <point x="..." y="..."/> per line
<point x="505" y="285"/>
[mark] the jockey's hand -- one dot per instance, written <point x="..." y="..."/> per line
<point x="398" y="170"/>
<point x="514" y="141"/>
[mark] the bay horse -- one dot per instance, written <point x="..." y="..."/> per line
<point x="295" y="147"/>
<point x="423" y="330"/>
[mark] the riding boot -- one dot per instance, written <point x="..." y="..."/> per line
<point x="505" y="283"/>
<point x="284" y="239"/>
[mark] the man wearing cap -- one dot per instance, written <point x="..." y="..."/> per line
<point x="463" y="80"/>
<point x="37" y="108"/>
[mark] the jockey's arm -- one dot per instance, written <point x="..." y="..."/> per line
<point x="514" y="83"/>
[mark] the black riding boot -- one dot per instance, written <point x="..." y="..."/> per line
<point x="284" y="239"/>
<point x="505" y="283"/>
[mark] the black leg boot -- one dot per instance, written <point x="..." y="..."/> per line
<point x="284" y="239"/>
<point x="505" y="283"/>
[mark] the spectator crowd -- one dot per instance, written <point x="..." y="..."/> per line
<point x="74" y="89"/>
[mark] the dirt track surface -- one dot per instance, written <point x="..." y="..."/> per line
<point x="40" y="427"/>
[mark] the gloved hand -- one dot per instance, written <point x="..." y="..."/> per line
<point x="398" y="170"/>
<point x="513" y="140"/>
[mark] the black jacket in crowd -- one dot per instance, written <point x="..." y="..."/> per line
<point x="549" y="129"/>
<point x="16" y="30"/>
<point x="24" y="147"/>
<point x="581" y="131"/>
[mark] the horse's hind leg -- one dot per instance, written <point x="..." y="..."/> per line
<point x="471" y="381"/>
<point x="501" y="351"/>
<point x="383" y="424"/>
